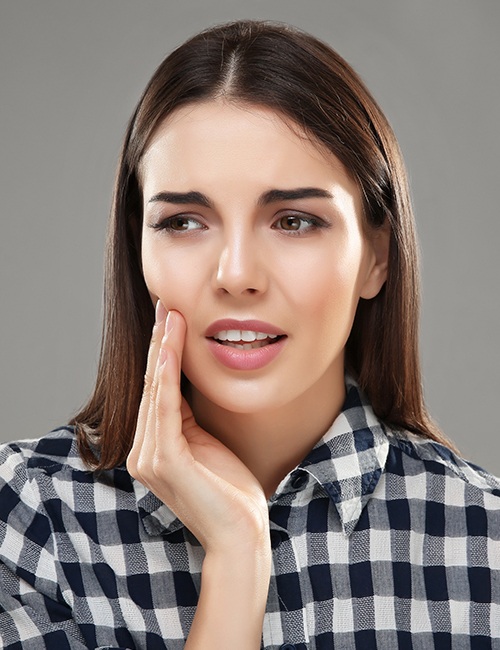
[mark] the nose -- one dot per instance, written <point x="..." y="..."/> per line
<point x="240" y="268"/>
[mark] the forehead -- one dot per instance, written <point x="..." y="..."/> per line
<point x="214" y="140"/>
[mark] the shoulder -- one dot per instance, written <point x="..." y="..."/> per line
<point x="25" y="528"/>
<point x="58" y="446"/>
<point x="20" y="460"/>
<point x="23" y="460"/>
<point x="440" y="471"/>
<point x="35" y="474"/>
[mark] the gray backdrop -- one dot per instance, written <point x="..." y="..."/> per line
<point x="70" y="74"/>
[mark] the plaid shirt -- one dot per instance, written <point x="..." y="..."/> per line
<point x="380" y="540"/>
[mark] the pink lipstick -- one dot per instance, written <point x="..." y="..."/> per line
<point x="244" y="345"/>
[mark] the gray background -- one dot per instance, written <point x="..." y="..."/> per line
<point x="70" y="74"/>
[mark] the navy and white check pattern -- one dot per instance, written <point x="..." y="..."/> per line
<point x="380" y="540"/>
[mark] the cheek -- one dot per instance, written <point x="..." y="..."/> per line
<point x="166" y="277"/>
<point x="325" y="281"/>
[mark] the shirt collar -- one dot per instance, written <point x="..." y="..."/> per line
<point x="350" y="458"/>
<point x="347" y="462"/>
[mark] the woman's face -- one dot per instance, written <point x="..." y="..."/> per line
<point x="255" y="235"/>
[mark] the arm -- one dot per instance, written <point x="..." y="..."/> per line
<point x="32" y="621"/>
<point x="232" y="601"/>
<point x="212" y="492"/>
<point x="32" y="613"/>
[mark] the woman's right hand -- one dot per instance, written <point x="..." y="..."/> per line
<point x="211" y="491"/>
<point x="207" y="486"/>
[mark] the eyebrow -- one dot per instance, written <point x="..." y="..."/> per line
<point x="271" y="196"/>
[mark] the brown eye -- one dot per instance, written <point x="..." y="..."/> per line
<point x="298" y="224"/>
<point x="290" y="223"/>
<point x="179" y="223"/>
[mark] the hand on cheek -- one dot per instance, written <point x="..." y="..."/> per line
<point x="196" y="476"/>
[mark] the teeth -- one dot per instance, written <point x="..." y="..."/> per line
<point x="243" y="335"/>
<point x="233" y="335"/>
<point x="245" y="346"/>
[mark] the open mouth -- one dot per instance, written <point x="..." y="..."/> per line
<point x="245" y="339"/>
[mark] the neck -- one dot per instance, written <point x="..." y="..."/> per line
<point x="271" y="443"/>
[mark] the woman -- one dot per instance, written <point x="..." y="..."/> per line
<point x="262" y="468"/>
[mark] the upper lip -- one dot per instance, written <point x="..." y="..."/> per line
<point x="246" y="325"/>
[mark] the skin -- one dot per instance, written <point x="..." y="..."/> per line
<point x="215" y="460"/>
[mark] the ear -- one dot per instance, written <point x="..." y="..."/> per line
<point x="378" y="242"/>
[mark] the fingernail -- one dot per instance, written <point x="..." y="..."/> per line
<point x="169" y="325"/>
<point x="160" y="312"/>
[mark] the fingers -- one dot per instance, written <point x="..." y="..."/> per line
<point x="168" y="399"/>
<point x="159" y="423"/>
<point x="175" y="334"/>
<point x="164" y="440"/>
<point x="156" y="337"/>
<point x="154" y="348"/>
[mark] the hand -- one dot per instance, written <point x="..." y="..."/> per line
<point x="211" y="491"/>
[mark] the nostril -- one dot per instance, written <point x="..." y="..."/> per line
<point x="250" y="290"/>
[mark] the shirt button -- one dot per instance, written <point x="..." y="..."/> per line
<point x="276" y="538"/>
<point x="287" y="646"/>
<point x="299" y="480"/>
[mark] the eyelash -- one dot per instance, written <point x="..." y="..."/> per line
<point x="166" y="224"/>
<point x="314" y="223"/>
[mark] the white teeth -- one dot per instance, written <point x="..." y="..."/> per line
<point x="261" y="336"/>
<point x="243" y="335"/>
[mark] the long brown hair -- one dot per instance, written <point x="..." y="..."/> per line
<point x="277" y="66"/>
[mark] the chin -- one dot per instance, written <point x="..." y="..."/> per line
<point x="246" y="399"/>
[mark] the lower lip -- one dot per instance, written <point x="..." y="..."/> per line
<point x="237" y="359"/>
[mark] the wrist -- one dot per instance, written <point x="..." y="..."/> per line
<point x="248" y="534"/>
<point x="232" y="603"/>
<point x="239" y="558"/>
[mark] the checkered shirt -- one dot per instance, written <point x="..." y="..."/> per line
<point x="380" y="540"/>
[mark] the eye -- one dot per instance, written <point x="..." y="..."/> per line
<point x="179" y="223"/>
<point x="291" y="223"/>
<point x="298" y="224"/>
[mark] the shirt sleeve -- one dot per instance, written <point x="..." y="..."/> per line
<point x="33" y="611"/>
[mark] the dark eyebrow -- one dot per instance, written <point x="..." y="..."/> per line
<point x="182" y="198"/>
<point x="272" y="196"/>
